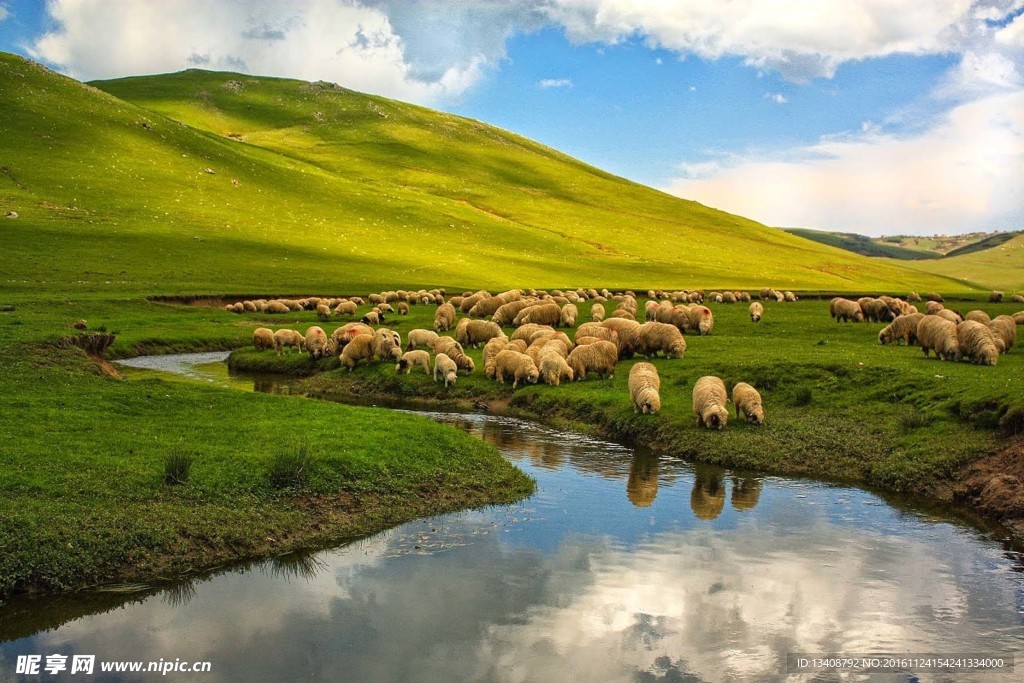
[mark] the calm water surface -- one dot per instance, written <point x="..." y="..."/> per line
<point x="622" y="567"/>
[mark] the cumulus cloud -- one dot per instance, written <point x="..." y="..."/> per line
<point x="801" y="40"/>
<point x="355" y="45"/>
<point x="962" y="172"/>
<point x="555" y="83"/>
<point x="776" y="97"/>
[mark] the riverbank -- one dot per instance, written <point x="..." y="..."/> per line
<point x="84" y="496"/>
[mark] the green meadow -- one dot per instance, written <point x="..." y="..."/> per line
<point x="204" y="183"/>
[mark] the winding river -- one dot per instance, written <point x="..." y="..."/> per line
<point x="624" y="566"/>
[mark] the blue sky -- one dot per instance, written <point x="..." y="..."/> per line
<point x="876" y="116"/>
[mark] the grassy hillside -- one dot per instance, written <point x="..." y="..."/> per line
<point x="863" y="245"/>
<point x="317" y="187"/>
<point x="1000" y="267"/>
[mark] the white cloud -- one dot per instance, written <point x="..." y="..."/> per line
<point x="1012" y="34"/>
<point x="4" y="13"/>
<point x="962" y="172"/>
<point x="319" y="39"/>
<point x="555" y="83"/>
<point x="776" y="97"/>
<point x="800" y="40"/>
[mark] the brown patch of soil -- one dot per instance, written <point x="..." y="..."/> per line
<point x="994" y="484"/>
<point x="106" y="367"/>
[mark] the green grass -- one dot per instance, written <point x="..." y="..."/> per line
<point x="839" y="405"/>
<point x="998" y="267"/>
<point x="340" y="190"/>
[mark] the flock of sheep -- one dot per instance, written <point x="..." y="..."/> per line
<point x="951" y="335"/>
<point x="537" y="350"/>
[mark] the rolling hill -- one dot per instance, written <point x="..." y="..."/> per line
<point x="202" y="182"/>
<point x="999" y="267"/>
<point x="863" y="245"/>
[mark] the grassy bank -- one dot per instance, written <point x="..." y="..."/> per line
<point x="82" y="490"/>
<point x="839" y="405"/>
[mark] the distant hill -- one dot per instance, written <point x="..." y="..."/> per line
<point x="997" y="267"/>
<point x="864" y="245"/>
<point x="200" y="182"/>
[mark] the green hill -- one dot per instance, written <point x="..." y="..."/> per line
<point x="999" y="267"/>
<point x="863" y="245"/>
<point x="216" y="182"/>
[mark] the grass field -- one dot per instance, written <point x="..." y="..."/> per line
<point x="211" y="183"/>
<point x="324" y="188"/>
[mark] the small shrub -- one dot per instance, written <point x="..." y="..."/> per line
<point x="803" y="397"/>
<point x="177" y="467"/>
<point x="915" y="419"/>
<point x="290" y="468"/>
<point x="1012" y="421"/>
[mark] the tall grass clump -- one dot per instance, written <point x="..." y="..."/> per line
<point x="177" y="467"/>
<point x="289" y="468"/>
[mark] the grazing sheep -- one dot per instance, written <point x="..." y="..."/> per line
<point x="276" y="307"/>
<point x="1005" y="329"/>
<point x="875" y="310"/>
<point x="262" y="338"/>
<point x="767" y="294"/>
<point x="453" y="350"/>
<point x="472" y="333"/>
<point x="371" y="318"/>
<point x="491" y="349"/>
<point x="249" y="307"/>
<point x="342" y="335"/>
<point x="951" y="316"/>
<point x="445" y="367"/>
<point x="545" y="345"/>
<point x="526" y="331"/>
<point x="789" y="296"/>
<point x="506" y="313"/>
<point x="651" y="311"/>
<point x="978" y="316"/>
<point x="568" y="315"/>
<point x="933" y="296"/>
<point x="323" y="312"/>
<point x="932" y="307"/>
<point x="387" y="344"/>
<point x="709" y="400"/>
<point x="554" y="368"/>
<point x="597" y="330"/>
<point x="517" y="365"/>
<point x="995" y="297"/>
<point x="413" y="358"/>
<point x="421" y="338"/>
<point x="728" y="297"/>
<point x="289" y="338"/>
<point x="940" y="335"/>
<point x="748" y="401"/>
<point x="743" y="296"/>
<point x="756" y="311"/>
<point x="701" y="319"/>
<point x="583" y="341"/>
<point x="977" y="342"/>
<point x="913" y="296"/>
<point x="358" y="348"/>
<point x="655" y="337"/>
<point x="597" y="313"/>
<point x="1018" y="317"/>
<point x="846" y="310"/>
<point x="539" y="314"/>
<point x="627" y="331"/>
<point x="384" y="308"/>
<point x="376" y="299"/>
<point x="644" y="384"/>
<point x="904" y="328"/>
<point x="1017" y="299"/>
<point x="599" y="357"/>
<point x="345" y="308"/>
<point x="403" y="308"/>
<point x="318" y="344"/>
<point x="623" y="314"/>
<point x="444" y="318"/>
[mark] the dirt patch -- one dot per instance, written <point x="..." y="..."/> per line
<point x="994" y="484"/>
<point x="106" y="367"/>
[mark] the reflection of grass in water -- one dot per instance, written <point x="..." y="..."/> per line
<point x="294" y="566"/>
<point x="180" y="594"/>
